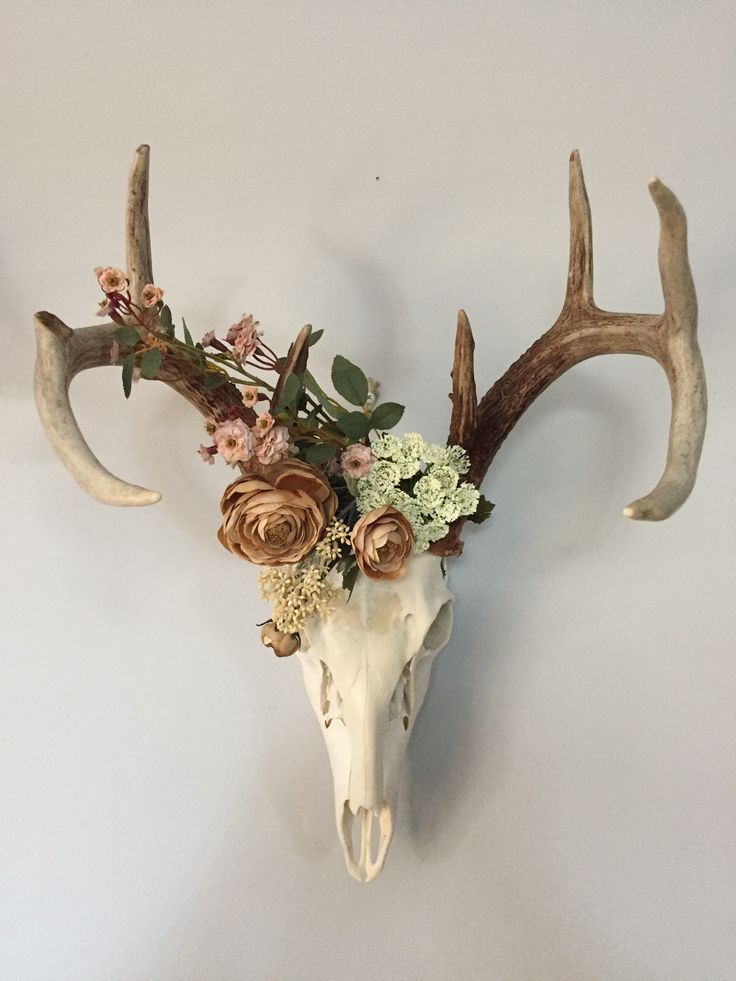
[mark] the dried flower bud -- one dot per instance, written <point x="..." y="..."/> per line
<point x="283" y="645"/>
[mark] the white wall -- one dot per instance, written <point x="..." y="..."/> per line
<point x="569" y="806"/>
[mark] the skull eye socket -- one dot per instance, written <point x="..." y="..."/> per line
<point x="330" y="700"/>
<point x="402" y="700"/>
<point x="440" y="628"/>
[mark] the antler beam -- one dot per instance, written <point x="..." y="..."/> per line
<point x="583" y="331"/>
<point x="61" y="353"/>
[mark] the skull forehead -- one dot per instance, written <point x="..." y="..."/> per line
<point x="382" y="625"/>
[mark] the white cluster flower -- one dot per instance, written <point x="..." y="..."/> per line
<point x="298" y="592"/>
<point x="420" y="479"/>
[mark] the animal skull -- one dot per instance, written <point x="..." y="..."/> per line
<point x="366" y="670"/>
<point x="367" y="667"/>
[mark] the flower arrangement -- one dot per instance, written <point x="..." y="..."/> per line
<point x="324" y="492"/>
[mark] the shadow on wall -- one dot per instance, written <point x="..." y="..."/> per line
<point x="466" y="688"/>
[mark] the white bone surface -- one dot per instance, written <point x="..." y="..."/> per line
<point x="366" y="670"/>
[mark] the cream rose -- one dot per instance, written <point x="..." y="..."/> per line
<point x="276" y="517"/>
<point x="382" y="540"/>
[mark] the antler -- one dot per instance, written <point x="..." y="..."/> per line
<point x="583" y="331"/>
<point x="61" y="353"/>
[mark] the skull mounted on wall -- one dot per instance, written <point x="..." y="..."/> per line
<point x="366" y="667"/>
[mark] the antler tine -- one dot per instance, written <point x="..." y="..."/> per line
<point x="583" y="331"/>
<point x="137" y="231"/>
<point x="464" y="401"/>
<point x="682" y="362"/>
<point x="580" y="263"/>
<point x="295" y="364"/>
<point x="56" y="349"/>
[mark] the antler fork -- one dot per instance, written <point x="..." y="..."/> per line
<point x="583" y="331"/>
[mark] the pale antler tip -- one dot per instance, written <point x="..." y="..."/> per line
<point x="52" y="323"/>
<point x="575" y="156"/>
<point x="654" y="507"/>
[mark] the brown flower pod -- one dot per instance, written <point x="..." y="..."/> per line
<point x="382" y="541"/>
<point x="283" y="645"/>
<point x="276" y="516"/>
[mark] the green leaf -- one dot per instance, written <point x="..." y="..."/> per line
<point x="355" y="425"/>
<point x="290" y="392"/>
<point x="349" y="578"/>
<point x="187" y="336"/>
<point x="127" y="336"/>
<point x="128" y="366"/>
<point x="150" y="362"/>
<point x="164" y="316"/>
<point x="349" y="381"/>
<point x="315" y="336"/>
<point x="213" y="379"/>
<point x="387" y="415"/>
<point x="320" y="453"/>
<point x="483" y="511"/>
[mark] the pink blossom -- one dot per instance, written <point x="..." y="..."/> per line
<point x="357" y="460"/>
<point x="246" y="343"/>
<point x="250" y="396"/>
<point x="208" y="338"/>
<point x="246" y="322"/>
<point x="207" y="453"/>
<point x="274" y="446"/>
<point x="210" y="425"/>
<point x="151" y="295"/>
<point x="234" y="441"/>
<point x="263" y="423"/>
<point x="111" y="280"/>
<point x="105" y="308"/>
<point x="114" y="352"/>
<point x="244" y="336"/>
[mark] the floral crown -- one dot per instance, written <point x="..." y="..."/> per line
<point x="325" y="493"/>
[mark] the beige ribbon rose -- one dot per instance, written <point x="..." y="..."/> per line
<point x="276" y="516"/>
<point x="382" y="540"/>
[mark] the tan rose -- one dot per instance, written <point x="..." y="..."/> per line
<point x="278" y="515"/>
<point x="382" y="539"/>
<point x="283" y="645"/>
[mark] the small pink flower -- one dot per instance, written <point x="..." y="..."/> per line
<point x="210" y="425"/>
<point x="151" y="295"/>
<point x="274" y="446"/>
<point x="208" y="338"/>
<point x="246" y="322"/>
<point x="105" y="308"/>
<point x="250" y="396"/>
<point x="207" y="453"/>
<point x="357" y="460"/>
<point x="234" y="441"/>
<point x="263" y="424"/>
<point x="246" y="343"/>
<point x="114" y="352"/>
<point x="244" y="337"/>
<point x="111" y="280"/>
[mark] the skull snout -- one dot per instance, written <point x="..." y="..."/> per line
<point x="365" y="711"/>
<point x="365" y="835"/>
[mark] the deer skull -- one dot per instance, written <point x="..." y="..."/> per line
<point x="367" y="667"/>
<point x="366" y="670"/>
